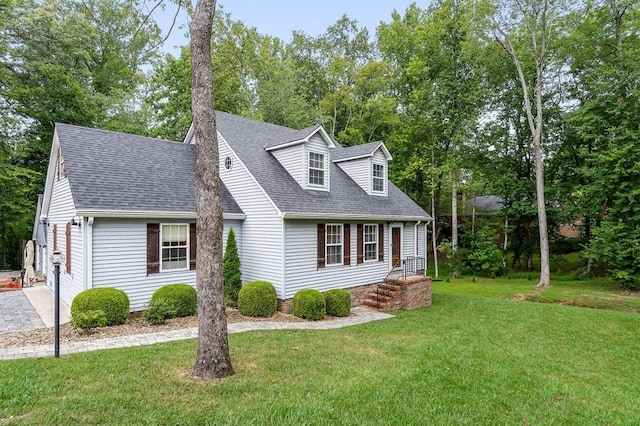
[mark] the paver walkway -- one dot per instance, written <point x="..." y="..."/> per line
<point x="17" y="313"/>
<point x="359" y="315"/>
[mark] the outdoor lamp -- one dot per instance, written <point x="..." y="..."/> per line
<point x="56" y="259"/>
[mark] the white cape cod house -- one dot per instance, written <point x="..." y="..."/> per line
<point x="307" y="212"/>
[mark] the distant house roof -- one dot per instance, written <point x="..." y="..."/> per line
<point x="486" y="203"/>
<point x="110" y="171"/>
<point x="345" y="199"/>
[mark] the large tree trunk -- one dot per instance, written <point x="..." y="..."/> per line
<point x="212" y="360"/>
<point x="538" y="34"/>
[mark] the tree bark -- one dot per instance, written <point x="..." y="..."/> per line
<point x="535" y="123"/>
<point x="212" y="359"/>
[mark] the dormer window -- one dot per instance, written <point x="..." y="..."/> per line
<point x="316" y="168"/>
<point x="377" y="184"/>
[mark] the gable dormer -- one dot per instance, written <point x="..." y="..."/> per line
<point x="305" y="156"/>
<point x="367" y="165"/>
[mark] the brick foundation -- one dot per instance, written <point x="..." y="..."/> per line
<point x="415" y="292"/>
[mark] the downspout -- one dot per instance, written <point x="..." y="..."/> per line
<point x="283" y="257"/>
<point x="415" y="235"/>
<point x="88" y="254"/>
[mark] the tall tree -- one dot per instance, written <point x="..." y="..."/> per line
<point x="535" y="17"/>
<point x="212" y="359"/>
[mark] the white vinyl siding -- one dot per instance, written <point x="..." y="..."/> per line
<point x="408" y="237"/>
<point x="361" y="171"/>
<point x="120" y="258"/>
<point x="61" y="210"/>
<point x="301" y="262"/>
<point x="292" y="159"/>
<point x="261" y="237"/>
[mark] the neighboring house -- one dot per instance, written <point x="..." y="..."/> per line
<point x="307" y="213"/>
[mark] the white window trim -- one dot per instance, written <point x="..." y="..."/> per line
<point x="188" y="247"/>
<point x="327" y="245"/>
<point x="364" y="243"/>
<point x="324" y="169"/>
<point x="384" y="180"/>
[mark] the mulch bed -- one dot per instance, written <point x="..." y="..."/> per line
<point x="134" y="325"/>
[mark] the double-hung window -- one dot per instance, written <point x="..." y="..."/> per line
<point x="378" y="178"/>
<point x="316" y="168"/>
<point x="174" y="247"/>
<point x="371" y="242"/>
<point x="334" y="244"/>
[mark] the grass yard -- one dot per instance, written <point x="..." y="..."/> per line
<point x="466" y="360"/>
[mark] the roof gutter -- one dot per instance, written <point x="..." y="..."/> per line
<point x="296" y="215"/>
<point x="150" y="214"/>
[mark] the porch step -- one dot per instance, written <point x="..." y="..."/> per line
<point x="379" y="298"/>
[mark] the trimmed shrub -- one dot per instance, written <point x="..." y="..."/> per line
<point x="89" y="320"/>
<point x="257" y="299"/>
<point x="309" y="304"/>
<point x="113" y="302"/>
<point x="231" y="275"/>
<point x="180" y="300"/>
<point x="338" y="302"/>
<point x="158" y="312"/>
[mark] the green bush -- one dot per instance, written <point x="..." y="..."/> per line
<point x="257" y="299"/>
<point x="338" y="302"/>
<point x="309" y="304"/>
<point x="113" y="302"/>
<point x="180" y="299"/>
<point x="158" y="312"/>
<point x="231" y="275"/>
<point x="89" y="320"/>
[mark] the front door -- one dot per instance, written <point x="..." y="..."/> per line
<point x="395" y="246"/>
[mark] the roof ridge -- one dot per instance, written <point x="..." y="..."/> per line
<point x="114" y="132"/>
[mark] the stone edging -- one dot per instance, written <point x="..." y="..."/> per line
<point x="359" y="315"/>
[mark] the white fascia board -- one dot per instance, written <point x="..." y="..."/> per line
<point x="286" y="144"/>
<point x="189" y="137"/>
<point x="150" y="214"/>
<point x="336" y="216"/>
<point x="51" y="171"/>
<point x="381" y="146"/>
<point x="323" y="133"/>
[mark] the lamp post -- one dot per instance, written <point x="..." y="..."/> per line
<point x="56" y="259"/>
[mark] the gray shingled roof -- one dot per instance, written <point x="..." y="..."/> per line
<point x="121" y="172"/>
<point x="285" y="135"/>
<point x="342" y="153"/>
<point x="247" y="138"/>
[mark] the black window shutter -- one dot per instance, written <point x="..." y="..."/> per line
<point x="360" y="242"/>
<point x="321" y="250"/>
<point x="381" y="242"/>
<point x="347" y="245"/>
<point x="192" y="246"/>
<point x="153" y="248"/>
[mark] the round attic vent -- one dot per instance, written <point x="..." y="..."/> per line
<point x="228" y="163"/>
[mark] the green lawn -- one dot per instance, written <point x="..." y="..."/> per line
<point x="466" y="360"/>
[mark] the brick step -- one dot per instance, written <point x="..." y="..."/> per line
<point x="371" y="303"/>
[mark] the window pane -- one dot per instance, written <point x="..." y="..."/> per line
<point x="378" y="177"/>
<point x="316" y="168"/>
<point x="174" y="246"/>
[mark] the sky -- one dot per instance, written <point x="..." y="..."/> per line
<point x="281" y="17"/>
